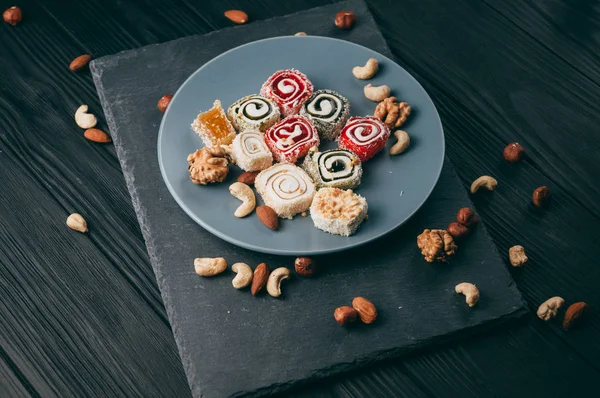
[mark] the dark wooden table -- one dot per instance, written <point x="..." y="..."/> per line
<point x="82" y="315"/>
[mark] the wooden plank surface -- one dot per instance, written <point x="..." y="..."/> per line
<point x="497" y="73"/>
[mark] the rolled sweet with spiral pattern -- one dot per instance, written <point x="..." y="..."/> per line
<point x="289" y="89"/>
<point x="291" y="138"/>
<point x="250" y="152"/>
<point x="328" y="111"/>
<point x="337" y="168"/>
<point x="285" y="188"/>
<point x="253" y="113"/>
<point x="365" y="136"/>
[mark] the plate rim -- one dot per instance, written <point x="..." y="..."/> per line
<point x="260" y="249"/>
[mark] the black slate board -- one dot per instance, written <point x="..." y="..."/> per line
<point x="234" y="344"/>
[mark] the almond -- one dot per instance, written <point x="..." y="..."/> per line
<point x="80" y="62"/>
<point x="260" y="278"/>
<point x="248" y="177"/>
<point x="268" y="217"/>
<point x="96" y="135"/>
<point x="366" y="310"/>
<point x="237" y="16"/>
<point x="573" y="313"/>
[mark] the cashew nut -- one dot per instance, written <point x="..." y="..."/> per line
<point x="367" y="71"/>
<point x="378" y="93"/>
<point x="83" y="119"/>
<point x="244" y="193"/>
<point x="549" y="308"/>
<point x="244" y="275"/>
<point x="209" y="266"/>
<point x="517" y="256"/>
<point x="470" y="291"/>
<point x="402" y="143"/>
<point x="274" y="282"/>
<point x="484" y="181"/>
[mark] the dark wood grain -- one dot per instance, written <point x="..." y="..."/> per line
<point x="83" y="316"/>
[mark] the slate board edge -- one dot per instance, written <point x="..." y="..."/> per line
<point x="108" y="58"/>
<point x="95" y="67"/>
<point x="378" y="357"/>
<point x="150" y="247"/>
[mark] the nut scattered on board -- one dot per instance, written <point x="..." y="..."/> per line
<point x="260" y="278"/>
<point x="268" y="217"/>
<point x="209" y="266"/>
<point x="457" y="230"/>
<point x="248" y="177"/>
<point x="366" y="72"/>
<point x="541" y="196"/>
<point x="77" y="223"/>
<point x="164" y="101"/>
<point x="304" y="266"/>
<point x="243" y="277"/>
<point x="376" y="93"/>
<point x="486" y="182"/>
<point x="548" y="309"/>
<point x="244" y="193"/>
<point x="574" y="312"/>
<point x="391" y="112"/>
<point x="514" y="152"/>
<point x="237" y="16"/>
<point x="517" y="256"/>
<point x="300" y="34"/>
<point x="345" y="315"/>
<point x="83" y="119"/>
<point x="80" y="62"/>
<point x="436" y="245"/>
<point x="12" y="16"/>
<point x="345" y="19"/>
<point x="208" y="165"/>
<point x="275" y="278"/>
<point x="402" y="143"/>
<point x="470" y="291"/>
<point x="467" y="217"/>
<point x="366" y="309"/>
<point x="96" y="135"/>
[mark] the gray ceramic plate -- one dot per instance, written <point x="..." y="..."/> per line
<point x="395" y="186"/>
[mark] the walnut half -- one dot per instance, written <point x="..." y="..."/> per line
<point x="208" y="165"/>
<point x="436" y="245"/>
<point x="392" y="113"/>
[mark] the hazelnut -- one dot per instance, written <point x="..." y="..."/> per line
<point x="304" y="266"/>
<point x="13" y="15"/>
<point x="467" y="217"/>
<point x="344" y="315"/>
<point x="345" y="19"/>
<point x="513" y="152"/>
<point x="541" y="196"/>
<point x="164" y="102"/>
<point x="457" y="230"/>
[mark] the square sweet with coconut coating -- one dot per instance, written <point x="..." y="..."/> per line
<point x="338" y="211"/>
<point x="213" y="126"/>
